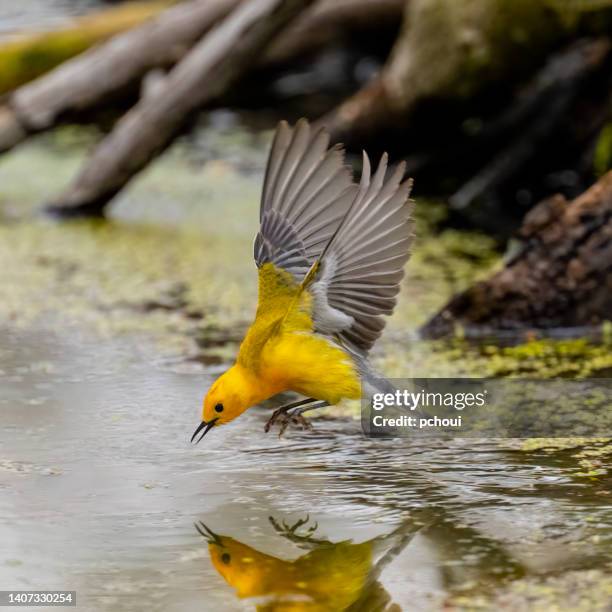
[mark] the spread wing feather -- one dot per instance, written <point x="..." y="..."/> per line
<point x="311" y="210"/>
<point x="307" y="192"/>
<point x="364" y="263"/>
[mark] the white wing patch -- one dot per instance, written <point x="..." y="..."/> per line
<point x="327" y="319"/>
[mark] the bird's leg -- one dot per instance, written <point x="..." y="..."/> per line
<point x="284" y="409"/>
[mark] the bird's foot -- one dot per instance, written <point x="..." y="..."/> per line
<point x="281" y="412"/>
<point x="291" y="414"/>
<point x="286" y="418"/>
<point x="292" y="532"/>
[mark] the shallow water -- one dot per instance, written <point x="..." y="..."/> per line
<point x="100" y="490"/>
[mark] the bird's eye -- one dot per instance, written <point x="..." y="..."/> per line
<point x="226" y="558"/>
<point x="219" y="408"/>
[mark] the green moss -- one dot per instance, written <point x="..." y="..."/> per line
<point x="403" y="356"/>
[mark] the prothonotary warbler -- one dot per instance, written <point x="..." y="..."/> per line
<point x="330" y="254"/>
<point x="331" y="577"/>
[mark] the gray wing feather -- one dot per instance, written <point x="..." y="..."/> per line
<point x="369" y="253"/>
<point x="311" y="209"/>
<point x="307" y="191"/>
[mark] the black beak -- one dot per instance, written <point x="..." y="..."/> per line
<point x="204" y="425"/>
<point x="208" y="534"/>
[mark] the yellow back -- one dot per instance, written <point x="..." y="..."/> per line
<point x="283" y="351"/>
<point x="282" y="307"/>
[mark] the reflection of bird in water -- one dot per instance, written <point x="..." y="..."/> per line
<point x="331" y="577"/>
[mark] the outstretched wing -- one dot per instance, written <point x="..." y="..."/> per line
<point x="312" y="211"/>
<point x="361" y="268"/>
<point x="307" y="191"/>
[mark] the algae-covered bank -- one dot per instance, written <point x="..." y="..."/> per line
<point x="111" y="332"/>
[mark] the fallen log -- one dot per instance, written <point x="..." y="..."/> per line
<point x="204" y="74"/>
<point x="107" y="70"/>
<point x="111" y="69"/>
<point x="562" y="276"/>
<point x="25" y="57"/>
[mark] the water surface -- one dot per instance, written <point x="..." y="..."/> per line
<point x="100" y="490"/>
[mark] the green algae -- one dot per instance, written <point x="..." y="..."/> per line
<point x="115" y="278"/>
<point x="442" y="263"/>
<point x="546" y="358"/>
<point x="179" y="226"/>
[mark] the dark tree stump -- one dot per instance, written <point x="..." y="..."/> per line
<point x="562" y="277"/>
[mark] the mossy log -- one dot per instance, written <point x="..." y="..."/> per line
<point x="562" y="276"/>
<point x="26" y="57"/>
<point x="108" y="69"/>
<point x="450" y="50"/>
<point x="203" y="75"/>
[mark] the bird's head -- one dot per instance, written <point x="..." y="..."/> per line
<point x="251" y="572"/>
<point x="228" y="398"/>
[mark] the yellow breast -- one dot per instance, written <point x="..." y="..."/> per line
<point x="312" y="365"/>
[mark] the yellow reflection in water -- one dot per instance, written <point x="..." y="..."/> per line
<point x="329" y="577"/>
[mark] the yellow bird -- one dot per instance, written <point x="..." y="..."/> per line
<point x="331" y="577"/>
<point x="330" y="254"/>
